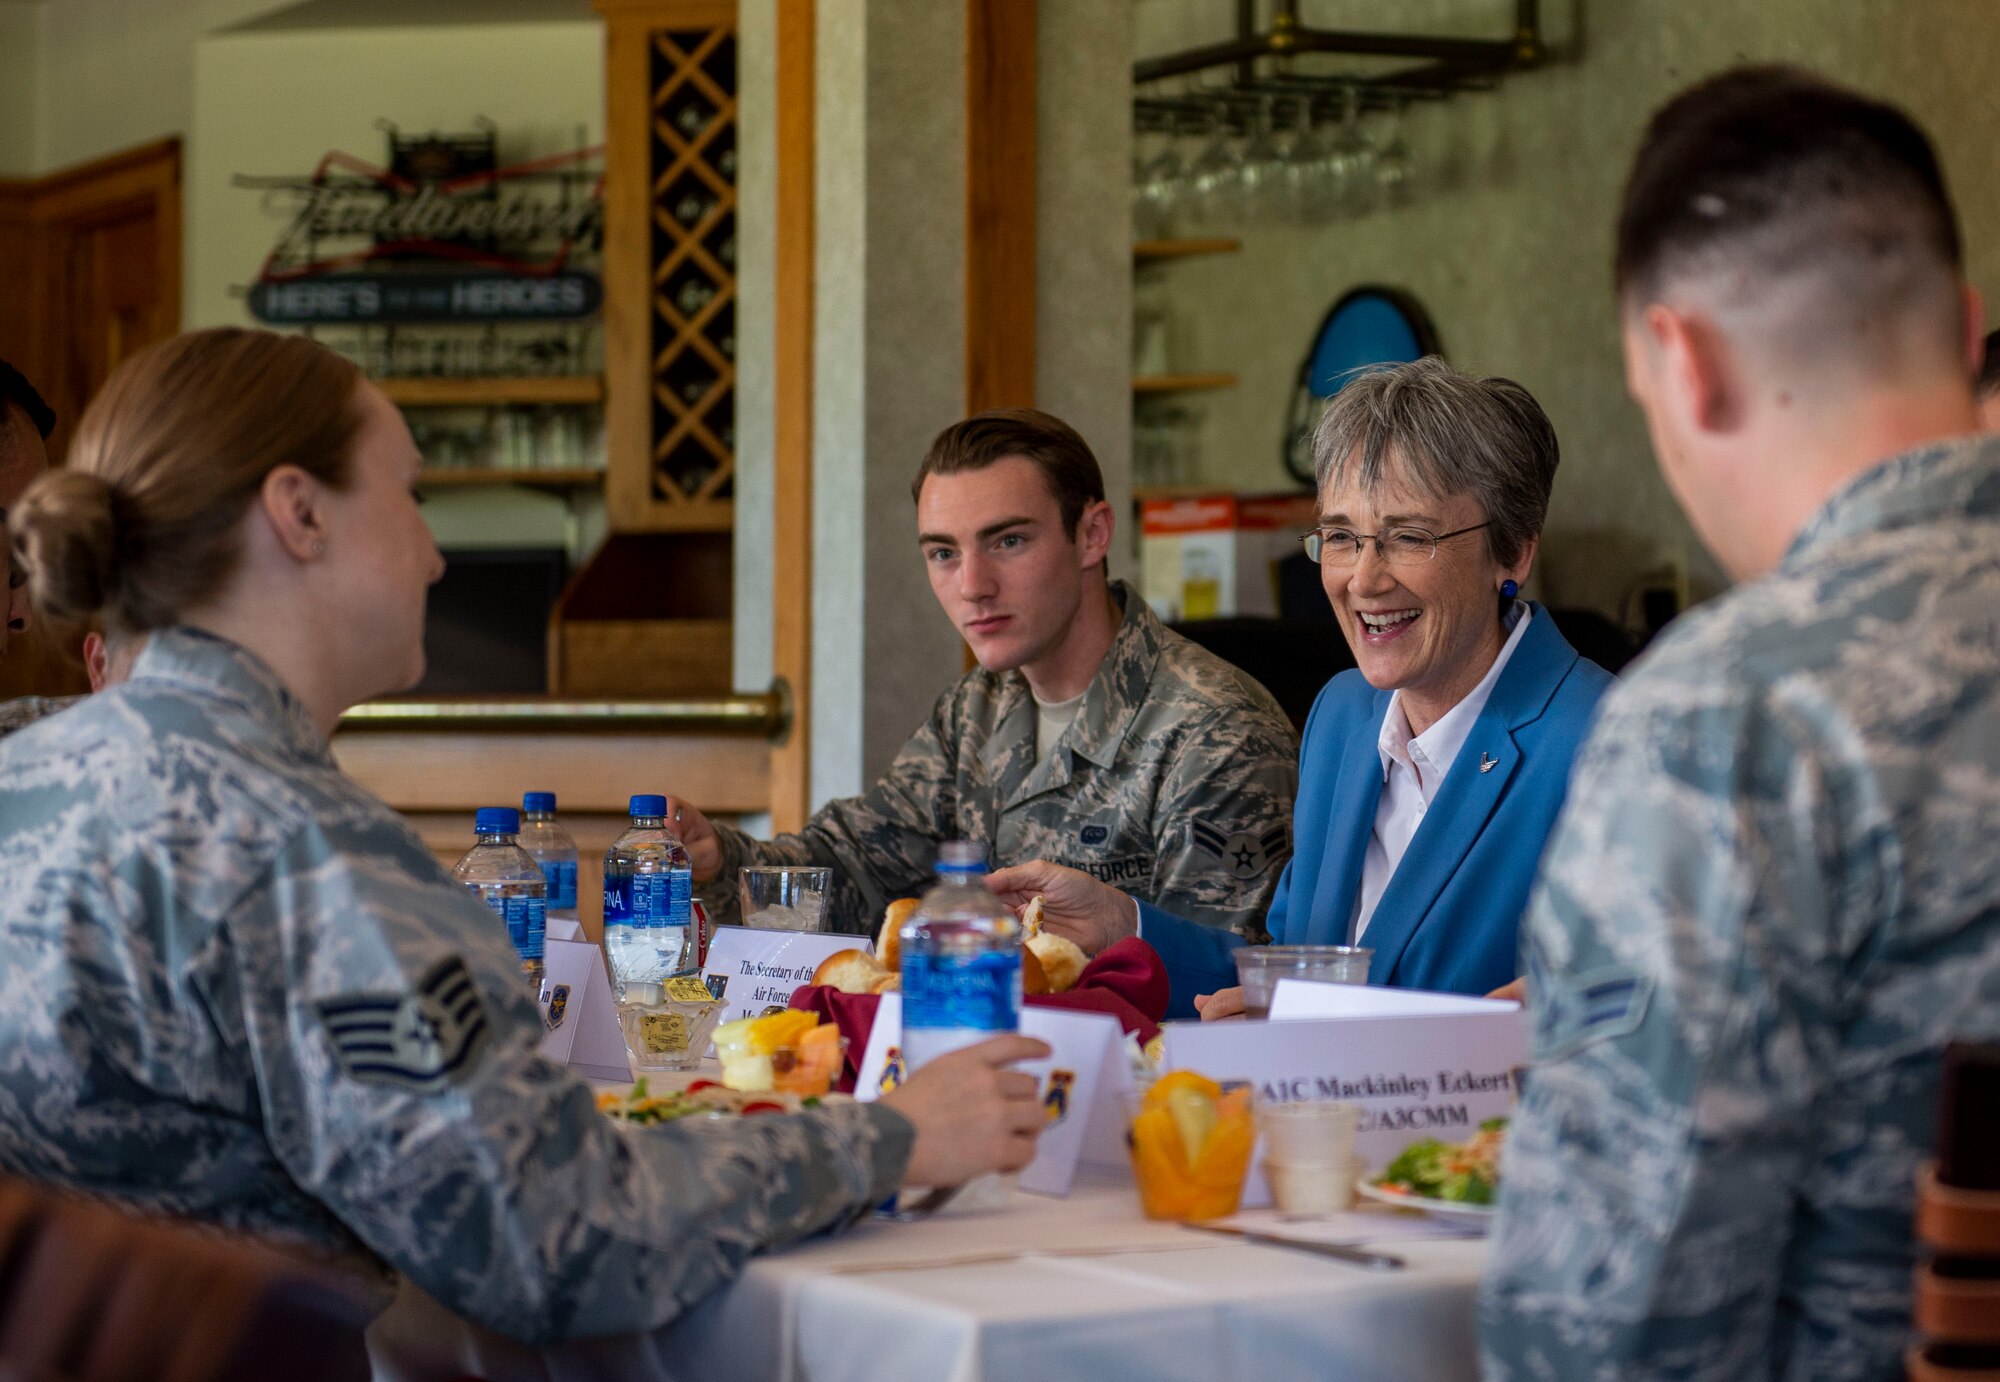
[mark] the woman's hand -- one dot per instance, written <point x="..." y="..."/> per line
<point x="1213" y="1007"/>
<point x="1516" y="992"/>
<point x="1074" y="905"/>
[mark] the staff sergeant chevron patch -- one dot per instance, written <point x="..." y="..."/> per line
<point x="418" y="1041"/>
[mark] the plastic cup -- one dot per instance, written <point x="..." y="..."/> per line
<point x="1311" y="1132"/>
<point x="1173" y="1187"/>
<point x="1259" y="967"/>
<point x="1308" y="1189"/>
<point x="784" y="899"/>
<point x="663" y="1032"/>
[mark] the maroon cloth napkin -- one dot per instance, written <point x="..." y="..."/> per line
<point x="1127" y="981"/>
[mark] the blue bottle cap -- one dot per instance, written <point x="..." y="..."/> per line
<point x="538" y="801"/>
<point x="496" y="820"/>
<point x="961" y="856"/>
<point x="649" y="804"/>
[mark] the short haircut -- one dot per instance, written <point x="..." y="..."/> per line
<point x="1769" y="175"/>
<point x="15" y="389"/>
<point x="1443" y="432"/>
<point x="985" y="439"/>
<point x="1989" y="373"/>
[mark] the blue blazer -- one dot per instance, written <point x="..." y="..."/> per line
<point x="1450" y="918"/>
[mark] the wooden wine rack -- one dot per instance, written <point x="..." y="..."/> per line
<point x="670" y="264"/>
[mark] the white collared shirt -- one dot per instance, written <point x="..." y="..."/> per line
<point x="1413" y="769"/>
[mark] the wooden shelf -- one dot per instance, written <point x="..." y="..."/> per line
<point x="1154" y="251"/>
<point x="1182" y="383"/>
<point x="445" y="392"/>
<point x="457" y="477"/>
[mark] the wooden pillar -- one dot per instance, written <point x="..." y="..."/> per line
<point x="792" y="457"/>
<point x="1000" y="204"/>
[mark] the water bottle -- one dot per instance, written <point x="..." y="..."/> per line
<point x="648" y="895"/>
<point x="549" y="845"/>
<point x="961" y="961"/>
<point x="502" y="876"/>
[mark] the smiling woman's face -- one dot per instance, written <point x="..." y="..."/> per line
<point x="1430" y="629"/>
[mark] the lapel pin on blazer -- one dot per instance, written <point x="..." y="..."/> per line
<point x="1486" y="764"/>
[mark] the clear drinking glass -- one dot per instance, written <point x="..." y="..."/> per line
<point x="1260" y="184"/>
<point x="1212" y="176"/>
<point x="672" y="1033"/>
<point x="1350" y="162"/>
<point x="1259" y="967"/>
<point x="1305" y="170"/>
<point x="785" y="899"/>
<point x="1158" y="183"/>
<point x="1395" y="169"/>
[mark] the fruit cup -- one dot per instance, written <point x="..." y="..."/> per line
<point x="789" y="1051"/>
<point x="810" y="1066"/>
<point x="1191" y="1146"/>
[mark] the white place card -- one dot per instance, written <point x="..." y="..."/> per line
<point x="563" y="929"/>
<point x="580" y="1011"/>
<point x="754" y="972"/>
<point x="1083" y="1085"/>
<point x="1417" y="1072"/>
<point x="1306" y="998"/>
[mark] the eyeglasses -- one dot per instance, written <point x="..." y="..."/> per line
<point x="1396" y="546"/>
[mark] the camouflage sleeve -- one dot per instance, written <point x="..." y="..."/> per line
<point x="1223" y="820"/>
<point x="394" y="1043"/>
<point x="881" y="845"/>
<point x="24" y="711"/>
<point x="1686" y="1008"/>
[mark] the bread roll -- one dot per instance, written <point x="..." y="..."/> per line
<point x="1062" y="960"/>
<point x="1031" y="917"/>
<point x="887" y="981"/>
<point x="889" y="945"/>
<point x="850" y="971"/>
<point x="1034" y="979"/>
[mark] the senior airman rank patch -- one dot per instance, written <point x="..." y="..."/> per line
<point x="1243" y="854"/>
<point x="418" y="1041"/>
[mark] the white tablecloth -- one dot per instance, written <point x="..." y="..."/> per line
<point x="1048" y="1290"/>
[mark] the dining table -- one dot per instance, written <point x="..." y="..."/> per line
<point x="1082" y="1288"/>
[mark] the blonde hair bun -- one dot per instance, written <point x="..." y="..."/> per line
<point x="141" y="524"/>
<point x="66" y="536"/>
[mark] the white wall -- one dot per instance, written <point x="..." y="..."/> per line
<point x="756" y="331"/>
<point x="115" y="73"/>
<point x="20" y="28"/>
<point x="274" y="102"/>
<point x="888" y="372"/>
<point x="1083" y="233"/>
<point x="1509" y="247"/>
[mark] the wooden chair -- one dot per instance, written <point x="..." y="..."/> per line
<point x="90" y="1293"/>
<point x="1958" y="1224"/>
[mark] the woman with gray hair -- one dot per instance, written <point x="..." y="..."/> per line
<point x="1431" y="775"/>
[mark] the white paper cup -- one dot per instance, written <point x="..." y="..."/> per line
<point x="1312" y="1132"/>
<point x="1310" y="1189"/>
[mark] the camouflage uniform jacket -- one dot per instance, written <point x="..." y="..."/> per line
<point x="1772" y="900"/>
<point x="240" y="990"/>
<point x="25" y="710"/>
<point x="1175" y="783"/>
